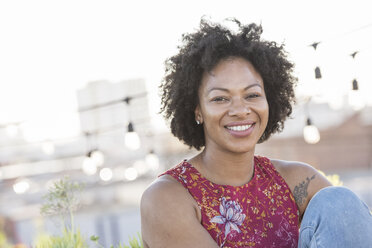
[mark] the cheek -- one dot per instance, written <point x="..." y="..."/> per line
<point x="212" y="111"/>
<point x="263" y="109"/>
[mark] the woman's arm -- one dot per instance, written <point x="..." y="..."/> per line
<point x="170" y="217"/>
<point x="303" y="180"/>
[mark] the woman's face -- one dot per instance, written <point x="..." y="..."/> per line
<point x="232" y="106"/>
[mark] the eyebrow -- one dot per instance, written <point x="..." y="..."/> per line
<point x="226" y="90"/>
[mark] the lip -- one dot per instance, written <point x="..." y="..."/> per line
<point x="240" y="123"/>
<point x="240" y="134"/>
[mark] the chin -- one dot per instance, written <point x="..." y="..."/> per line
<point x="241" y="148"/>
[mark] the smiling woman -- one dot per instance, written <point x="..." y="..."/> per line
<point x="232" y="105"/>
<point x="224" y="92"/>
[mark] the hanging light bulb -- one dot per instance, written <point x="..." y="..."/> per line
<point x="98" y="157"/>
<point x="318" y="75"/>
<point x="152" y="161"/>
<point x="48" y="147"/>
<point x="311" y="133"/>
<point x="132" y="140"/>
<point x="130" y="174"/>
<point x="356" y="100"/>
<point x="89" y="165"/>
<point x="21" y="186"/>
<point x="105" y="174"/>
<point x="141" y="166"/>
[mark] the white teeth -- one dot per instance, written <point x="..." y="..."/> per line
<point x="239" y="128"/>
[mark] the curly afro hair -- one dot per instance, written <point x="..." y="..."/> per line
<point x="201" y="51"/>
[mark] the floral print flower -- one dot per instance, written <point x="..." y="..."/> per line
<point x="231" y="216"/>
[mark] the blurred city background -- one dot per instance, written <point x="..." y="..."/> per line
<point x="79" y="98"/>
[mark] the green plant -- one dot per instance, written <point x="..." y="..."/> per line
<point x="3" y="238"/>
<point x="62" y="200"/>
<point x="334" y="179"/>
<point x="3" y="241"/>
<point x="133" y="242"/>
<point x="67" y="240"/>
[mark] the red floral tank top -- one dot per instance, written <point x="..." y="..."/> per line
<point x="261" y="213"/>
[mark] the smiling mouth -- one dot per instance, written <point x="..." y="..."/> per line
<point x="239" y="128"/>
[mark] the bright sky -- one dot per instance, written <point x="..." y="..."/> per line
<point x="49" y="49"/>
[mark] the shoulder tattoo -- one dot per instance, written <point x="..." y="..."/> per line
<point x="300" y="191"/>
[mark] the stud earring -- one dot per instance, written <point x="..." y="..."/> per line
<point x="197" y="122"/>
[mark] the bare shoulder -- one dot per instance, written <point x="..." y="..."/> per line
<point x="303" y="180"/>
<point x="166" y="196"/>
<point x="170" y="216"/>
<point x="293" y="168"/>
<point x="165" y="188"/>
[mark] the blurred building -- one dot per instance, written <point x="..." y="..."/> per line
<point x="343" y="146"/>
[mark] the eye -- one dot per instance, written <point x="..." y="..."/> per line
<point x="220" y="99"/>
<point x="252" y="95"/>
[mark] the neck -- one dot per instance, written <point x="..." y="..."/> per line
<point x="227" y="168"/>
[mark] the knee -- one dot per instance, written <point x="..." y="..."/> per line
<point x="333" y="212"/>
<point x="335" y="194"/>
<point x="336" y="197"/>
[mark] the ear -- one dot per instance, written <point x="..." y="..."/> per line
<point x="198" y="115"/>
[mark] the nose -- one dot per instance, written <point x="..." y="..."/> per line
<point x="239" y="108"/>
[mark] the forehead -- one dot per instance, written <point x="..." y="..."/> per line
<point x="231" y="73"/>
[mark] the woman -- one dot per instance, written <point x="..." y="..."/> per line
<point x="225" y="92"/>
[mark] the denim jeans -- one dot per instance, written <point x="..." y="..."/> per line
<point x="336" y="217"/>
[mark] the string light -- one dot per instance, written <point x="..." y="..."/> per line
<point x="21" y="186"/>
<point x="131" y="174"/>
<point x="93" y="158"/>
<point x="126" y="99"/>
<point x="105" y="174"/>
<point x="141" y="167"/>
<point x="89" y="166"/>
<point x="12" y="129"/>
<point x="354" y="82"/>
<point x="87" y="163"/>
<point x="311" y="132"/>
<point x="152" y="161"/>
<point x="354" y="98"/>
<point x="318" y="74"/>
<point x="98" y="157"/>
<point x="131" y="139"/>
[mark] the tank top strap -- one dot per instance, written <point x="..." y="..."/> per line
<point x="266" y="166"/>
<point x="179" y="172"/>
